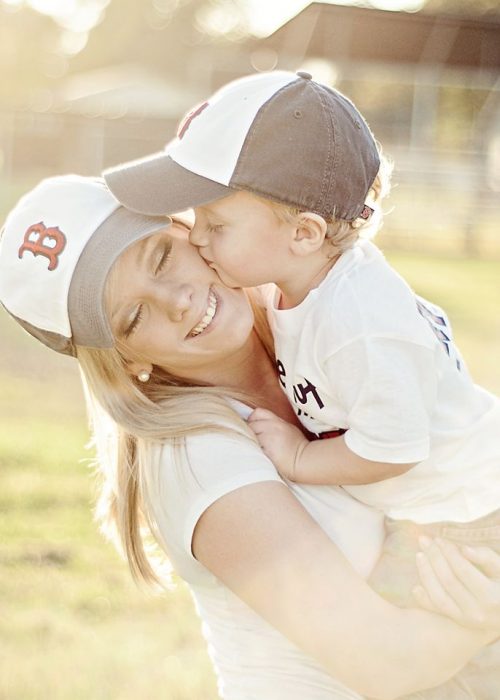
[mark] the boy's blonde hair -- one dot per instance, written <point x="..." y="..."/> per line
<point x="342" y="235"/>
<point x="130" y="421"/>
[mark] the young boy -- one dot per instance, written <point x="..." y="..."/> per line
<point x="284" y="175"/>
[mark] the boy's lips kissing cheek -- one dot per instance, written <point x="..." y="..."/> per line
<point x="213" y="266"/>
<point x="226" y="279"/>
<point x="223" y="277"/>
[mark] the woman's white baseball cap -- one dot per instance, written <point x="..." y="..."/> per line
<point x="280" y="135"/>
<point x="56" y="249"/>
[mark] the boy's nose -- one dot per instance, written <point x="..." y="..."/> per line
<point x="198" y="236"/>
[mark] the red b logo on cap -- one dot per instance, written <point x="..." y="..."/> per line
<point x="189" y="118"/>
<point x="41" y="240"/>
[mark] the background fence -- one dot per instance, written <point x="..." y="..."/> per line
<point x="441" y="201"/>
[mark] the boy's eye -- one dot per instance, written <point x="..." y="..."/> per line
<point x="214" y="228"/>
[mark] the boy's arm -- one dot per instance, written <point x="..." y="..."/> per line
<point x="331" y="461"/>
<point x="317" y="462"/>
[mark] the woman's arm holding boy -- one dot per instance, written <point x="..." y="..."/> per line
<point x="262" y="544"/>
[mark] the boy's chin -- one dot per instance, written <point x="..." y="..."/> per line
<point x="228" y="281"/>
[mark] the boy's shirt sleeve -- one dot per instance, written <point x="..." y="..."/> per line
<point x="387" y="389"/>
<point x="383" y="360"/>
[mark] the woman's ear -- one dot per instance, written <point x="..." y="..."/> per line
<point x="309" y="234"/>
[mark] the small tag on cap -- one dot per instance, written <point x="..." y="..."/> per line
<point x="304" y="74"/>
<point x="366" y="213"/>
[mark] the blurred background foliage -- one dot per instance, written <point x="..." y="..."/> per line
<point x="88" y="83"/>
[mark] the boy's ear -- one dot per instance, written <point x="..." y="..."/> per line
<point x="309" y="234"/>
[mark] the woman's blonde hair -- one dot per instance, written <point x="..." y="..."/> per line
<point x="130" y="421"/>
<point x="342" y="235"/>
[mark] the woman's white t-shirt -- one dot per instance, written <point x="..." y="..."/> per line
<point x="252" y="660"/>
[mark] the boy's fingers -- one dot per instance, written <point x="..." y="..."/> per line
<point x="263" y="424"/>
<point x="261" y="414"/>
<point x="259" y="426"/>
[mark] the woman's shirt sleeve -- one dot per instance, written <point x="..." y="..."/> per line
<point x="188" y="483"/>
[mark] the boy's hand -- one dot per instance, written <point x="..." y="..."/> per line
<point x="282" y="442"/>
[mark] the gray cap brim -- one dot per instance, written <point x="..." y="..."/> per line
<point x="86" y="307"/>
<point x="89" y="323"/>
<point x="157" y="185"/>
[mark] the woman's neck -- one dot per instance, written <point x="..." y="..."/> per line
<point x="259" y="379"/>
<point x="251" y="371"/>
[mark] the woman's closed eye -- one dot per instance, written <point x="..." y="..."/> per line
<point x="134" y="323"/>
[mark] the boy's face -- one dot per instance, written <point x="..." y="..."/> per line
<point x="242" y="239"/>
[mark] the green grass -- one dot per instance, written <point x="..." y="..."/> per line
<point x="72" y="624"/>
<point x="469" y="291"/>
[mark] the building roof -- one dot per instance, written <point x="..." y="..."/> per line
<point x="124" y="90"/>
<point x="357" y="34"/>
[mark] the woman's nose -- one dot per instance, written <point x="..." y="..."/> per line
<point x="175" y="299"/>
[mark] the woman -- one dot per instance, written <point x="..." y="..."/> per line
<point x="174" y="359"/>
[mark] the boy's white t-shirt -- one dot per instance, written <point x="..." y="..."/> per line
<point x="363" y="353"/>
<point x="251" y="659"/>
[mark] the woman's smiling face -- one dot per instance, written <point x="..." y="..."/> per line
<point x="168" y="308"/>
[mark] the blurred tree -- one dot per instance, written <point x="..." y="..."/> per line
<point x="157" y="34"/>
<point x="160" y="33"/>
<point x="29" y="60"/>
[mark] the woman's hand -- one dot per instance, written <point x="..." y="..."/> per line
<point x="462" y="583"/>
<point x="282" y="442"/>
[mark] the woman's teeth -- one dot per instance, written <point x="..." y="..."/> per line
<point x="207" y="318"/>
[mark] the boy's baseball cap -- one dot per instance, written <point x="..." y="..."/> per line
<point x="56" y="249"/>
<point x="279" y="135"/>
